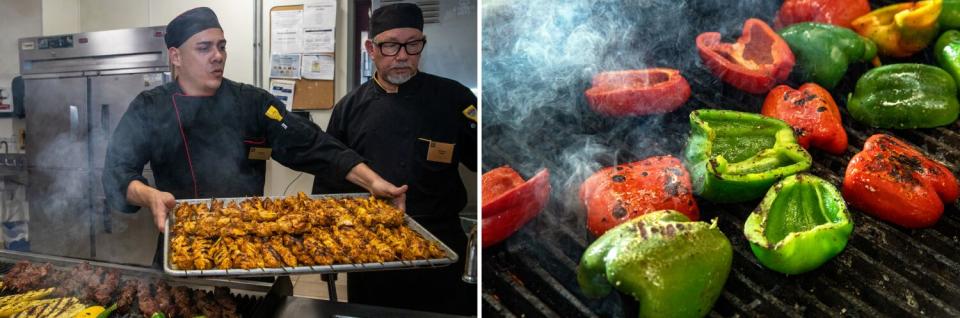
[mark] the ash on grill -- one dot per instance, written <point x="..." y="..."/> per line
<point x="94" y="285"/>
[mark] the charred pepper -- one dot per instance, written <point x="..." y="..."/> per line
<point x="813" y="114"/>
<point x="509" y="202"/>
<point x="617" y="194"/>
<point x="896" y="183"/>
<point x="834" y="12"/>
<point x="801" y="223"/>
<point x="902" y="29"/>
<point x="638" y="92"/>
<point x="824" y="51"/>
<point x="905" y="96"/>
<point x="672" y="266"/>
<point x="755" y="63"/>
<point x="734" y="156"/>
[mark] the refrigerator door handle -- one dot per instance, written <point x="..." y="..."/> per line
<point x="105" y="119"/>
<point x="107" y="218"/>
<point x="75" y="122"/>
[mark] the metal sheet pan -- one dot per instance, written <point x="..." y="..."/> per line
<point x="451" y="258"/>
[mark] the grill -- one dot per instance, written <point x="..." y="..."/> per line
<point x="253" y="299"/>
<point x="535" y="116"/>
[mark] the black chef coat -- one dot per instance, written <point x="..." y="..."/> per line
<point x="199" y="147"/>
<point x="393" y="132"/>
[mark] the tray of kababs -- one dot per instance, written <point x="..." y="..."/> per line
<point x="299" y="234"/>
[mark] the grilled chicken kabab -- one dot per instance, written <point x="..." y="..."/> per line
<point x="293" y="231"/>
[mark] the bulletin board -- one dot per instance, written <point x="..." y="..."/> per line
<point x="308" y="94"/>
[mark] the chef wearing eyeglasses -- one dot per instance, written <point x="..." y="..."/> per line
<point x="415" y="129"/>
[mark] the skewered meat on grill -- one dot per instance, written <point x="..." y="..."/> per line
<point x="127" y="294"/>
<point x="74" y="284"/>
<point x="226" y="301"/>
<point x="99" y="285"/>
<point x="147" y="303"/>
<point x="26" y="276"/>
<point x="90" y="284"/>
<point x="104" y="293"/>
<point x="182" y="298"/>
<point x="164" y="299"/>
<point x="207" y="306"/>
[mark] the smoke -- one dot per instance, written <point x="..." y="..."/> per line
<point x="59" y="187"/>
<point x="539" y="58"/>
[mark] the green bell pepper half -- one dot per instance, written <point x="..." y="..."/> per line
<point x="905" y="96"/>
<point x="947" y="51"/>
<point x="673" y="267"/>
<point x="735" y="156"/>
<point x="824" y="51"/>
<point x="801" y="223"/>
<point x="950" y="14"/>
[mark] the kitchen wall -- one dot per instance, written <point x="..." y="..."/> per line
<point x="236" y="17"/>
<point x="18" y="19"/>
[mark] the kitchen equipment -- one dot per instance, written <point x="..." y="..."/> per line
<point x="76" y="88"/>
<point x="470" y="266"/>
<point x="538" y="61"/>
<point x="316" y="269"/>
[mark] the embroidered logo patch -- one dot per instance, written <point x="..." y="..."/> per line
<point x="274" y="114"/>
<point x="471" y="112"/>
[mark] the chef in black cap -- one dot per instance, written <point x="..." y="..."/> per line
<point x="206" y="136"/>
<point x="416" y="129"/>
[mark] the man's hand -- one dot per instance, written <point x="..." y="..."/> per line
<point x="159" y="202"/>
<point x="365" y="177"/>
<point x="398" y="195"/>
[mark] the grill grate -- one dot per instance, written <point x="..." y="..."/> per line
<point x="247" y="305"/>
<point x="884" y="270"/>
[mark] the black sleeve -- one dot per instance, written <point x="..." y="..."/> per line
<point x="338" y="121"/>
<point x="336" y="128"/>
<point x="301" y="145"/>
<point x="468" y="130"/>
<point x="127" y="153"/>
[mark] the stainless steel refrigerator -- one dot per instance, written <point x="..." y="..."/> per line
<point x="77" y="87"/>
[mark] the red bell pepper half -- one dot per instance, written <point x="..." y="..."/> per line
<point x="638" y="92"/>
<point x="836" y="12"/>
<point x="894" y="182"/>
<point x="813" y="114"/>
<point x="617" y="194"/>
<point x="509" y="202"/>
<point x="755" y="63"/>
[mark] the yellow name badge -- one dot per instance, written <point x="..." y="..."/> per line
<point x="259" y="153"/>
<point x="274" y="114"/>
<point x="439" y="151"/>
<point x="471" y="113"/>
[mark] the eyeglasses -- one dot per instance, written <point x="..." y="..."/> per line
<point x="393" y="48"/>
